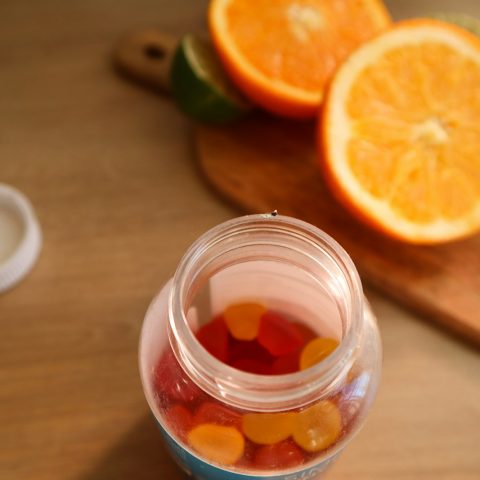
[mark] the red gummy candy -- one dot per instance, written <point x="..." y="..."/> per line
<point x="284" y="454"/>
<point x="180" y="420"/>
<point x="214" y="338"/>
<point x="172" y="383"/>
<point x="248" y="349"/>
<point x="252" y="366"/>
<point x="248" y="455"/>
<point x="278" y="335"/>
<point x="306" y="332"/>
<point x="211" y="412"/>
<point x="286" y="363"/>
<point x="250" y="356"/>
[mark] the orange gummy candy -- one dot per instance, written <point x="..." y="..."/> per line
<point x="268" y="428"/>
<point x="316" y="350"/>
<point x="318" y="426"/>
<point x="243" y="320"/>
<point x="217" y="443"/>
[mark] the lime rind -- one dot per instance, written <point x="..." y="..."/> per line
<point x="204" y="59"/>
<point x="201" y="87"/>
<point x="467" y="22"/>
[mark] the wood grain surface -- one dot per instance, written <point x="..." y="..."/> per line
<point x="263" y="164"/>
<point x="110" y="170"/>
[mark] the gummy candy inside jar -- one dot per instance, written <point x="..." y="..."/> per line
<point x="261" y="357"/>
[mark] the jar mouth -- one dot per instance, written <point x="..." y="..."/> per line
<point x="256" y="233"/>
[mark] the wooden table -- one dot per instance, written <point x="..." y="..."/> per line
<point x="110" y="170"/>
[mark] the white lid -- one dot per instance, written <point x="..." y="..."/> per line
<point x="20" y="237"/>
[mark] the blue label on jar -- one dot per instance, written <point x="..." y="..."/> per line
<point x="202" y="470"/>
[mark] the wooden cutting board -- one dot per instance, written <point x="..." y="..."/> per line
<point x="263" y="163"/>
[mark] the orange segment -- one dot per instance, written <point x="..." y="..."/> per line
<point x="399" y="135"/>
<point x="268" y="428"/>
<point x="316" y="350"/>
<point x="318" y="426"/>
<point x="282" y="53"/>
<point x="217" y="443"/>
<point x="243" y="320"/>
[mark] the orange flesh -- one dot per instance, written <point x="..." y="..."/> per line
<point x="301" y="41"/>
<point x="416" y="133"/>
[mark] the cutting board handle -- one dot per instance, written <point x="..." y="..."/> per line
<point x="146" y="57"/>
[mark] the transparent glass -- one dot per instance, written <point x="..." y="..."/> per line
<point x="290" y="267"/>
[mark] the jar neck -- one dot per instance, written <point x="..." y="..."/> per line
<point x="283" y="240"/>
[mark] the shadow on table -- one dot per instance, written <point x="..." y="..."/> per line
<point x="139" y="455"/>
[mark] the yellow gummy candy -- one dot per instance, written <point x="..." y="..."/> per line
<point x="217" y="443"/>
<point x="318" y="426"/>
<point x="268" y="428"/>
<point x="316" y="350"/>
<point x="243" y="320"/>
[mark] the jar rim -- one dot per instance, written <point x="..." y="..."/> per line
<point x="248" y="390"/>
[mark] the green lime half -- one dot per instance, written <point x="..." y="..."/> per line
<point x="467" y="22"/>
<point x="201" y="87"/>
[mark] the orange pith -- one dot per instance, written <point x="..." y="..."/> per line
<point x="400" y="134"/>
<point x="282" y="53"/>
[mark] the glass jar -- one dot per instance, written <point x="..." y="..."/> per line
<point x="303" y="419"/>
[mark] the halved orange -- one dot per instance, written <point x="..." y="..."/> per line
<point x="400" y="133"/>
<point x="282" y="53"/>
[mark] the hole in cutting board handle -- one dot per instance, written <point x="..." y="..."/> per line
<point x="154" y="52"/>
<point x="146" y="56"/>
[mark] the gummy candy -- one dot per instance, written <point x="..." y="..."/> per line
<point x="250" y="338"/>
<point x="214" y="338"/>
<point x="217" y="443"/>
<point x="212" y="412"/>
<point x="179" y="419"/>
<point x="278" y="335"/>
<point x="268" y="428"/>
<point x="243" y="320"/>
<point x="251" y="365"/>
<point x="316" y="350"/>
<point x="318" y="426"/>
<point x="305" y="331"/>
<point x="279" y="455"/>
<point x="286" y="364"/>
<point x="172" y="382"/>
<point x="250" y="356"/>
